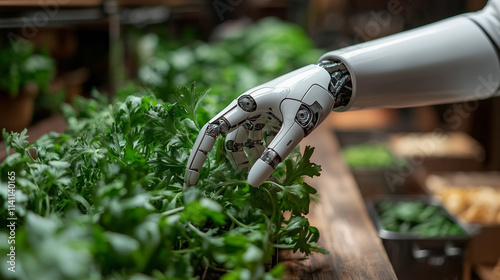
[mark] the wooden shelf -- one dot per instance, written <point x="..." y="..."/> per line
<point x="167" y="3"/>
<point x="61" y="3"/>
<point x="356" y="251"/>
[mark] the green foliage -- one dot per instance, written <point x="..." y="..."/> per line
<point x="370" y="156"/>
<point x="417" y="218"/>
<point x="105" y="199"/>
<point x="229" y="66"/>
<point x="22" y="65"/>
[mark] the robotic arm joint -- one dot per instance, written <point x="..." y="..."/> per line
<point x="340" y="84"/>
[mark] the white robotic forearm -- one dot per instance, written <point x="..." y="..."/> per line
<point x="449" y="61"/>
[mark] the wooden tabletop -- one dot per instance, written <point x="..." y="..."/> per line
<point x="356" y="251"/>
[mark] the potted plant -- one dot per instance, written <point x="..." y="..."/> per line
<point x="24" y="73"/>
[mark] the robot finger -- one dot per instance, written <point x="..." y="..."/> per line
<point x="255" y="145"/>
<point x="288" y="137"/>
<point x="203" y="144"/>
<point x="235" y="142"/>
<point x="226" y="121"/>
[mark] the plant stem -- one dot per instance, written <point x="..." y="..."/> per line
<point x="275" y="184"/>
<point x="239" y="223"/>
<point x="197" y="231"/>
<point x="274" y="216"/>
<point x="173" y="211"/>
<point x="283" y="246"/>
<point x="183" y="251"/>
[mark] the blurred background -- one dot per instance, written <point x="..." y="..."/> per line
<point x="53" y="51"/>
<point x="57" y="49"/>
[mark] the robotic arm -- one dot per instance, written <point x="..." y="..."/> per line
<point x="444" y="62"/>
<point x="454" y="60"/>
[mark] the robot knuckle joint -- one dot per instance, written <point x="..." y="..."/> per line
<point x="271" y="157"/>
<point x="247" y="103"/>
<point x="234" y="147"/>
<point x="308" y="117"/>
<point x="220" y="126"/>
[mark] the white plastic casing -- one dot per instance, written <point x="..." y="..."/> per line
<point x="489" y="19"/>
<point x="445" y="62"/>
<point x="274" y="106"/>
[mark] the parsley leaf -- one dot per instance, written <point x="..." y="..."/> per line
<point x="109" y="192"/>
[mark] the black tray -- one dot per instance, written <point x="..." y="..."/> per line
<point x="420" y="257"/>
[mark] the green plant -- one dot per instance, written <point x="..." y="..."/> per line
<point x="105" y="200"/>
<point x="21" y="65"/>
<point x="417" y="218"/>
<point x="370" y="156"/>
<point x="229" y="66"/>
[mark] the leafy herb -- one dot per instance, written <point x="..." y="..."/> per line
<point x="416" y="217"/>
<point x="370" y="155"/>
<point x="105" y="199"/>
<point x="228" y="66"/>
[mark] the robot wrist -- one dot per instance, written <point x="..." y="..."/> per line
<point x="340" y="85"/>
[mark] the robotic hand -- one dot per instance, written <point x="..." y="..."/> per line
<point x="283" y="111"/>
<point x="453" y="60"/>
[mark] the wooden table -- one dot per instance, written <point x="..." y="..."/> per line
<point x="356" y="251"/>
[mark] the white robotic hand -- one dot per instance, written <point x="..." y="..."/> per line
<point x="281" y="112"/>
<point x="454" y="60"/>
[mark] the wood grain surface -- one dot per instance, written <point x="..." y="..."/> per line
<point x="356" y="251"/>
